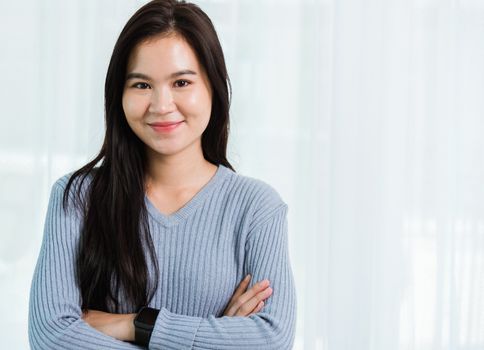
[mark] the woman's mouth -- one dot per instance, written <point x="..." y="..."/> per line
<point x="165" y="126"/>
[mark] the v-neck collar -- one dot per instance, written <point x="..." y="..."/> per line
<point x="189" y="207"/>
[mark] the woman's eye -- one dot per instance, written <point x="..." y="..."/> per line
<point x="183" y="83"/>
<point x="178" y="83"/>
<point x="140" y="85"/>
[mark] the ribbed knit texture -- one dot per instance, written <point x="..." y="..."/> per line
<point x="235" y="225"/>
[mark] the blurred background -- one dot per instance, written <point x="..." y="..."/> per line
<point x="366" y="115"/>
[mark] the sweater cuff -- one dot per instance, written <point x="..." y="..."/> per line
<point x="174" y="331"/>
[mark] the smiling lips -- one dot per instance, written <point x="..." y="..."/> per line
<point x="165" y="126"/>
<point x="165" y="123"/>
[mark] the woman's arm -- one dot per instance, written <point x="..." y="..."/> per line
<point x="55" y="317"/>
<point x="121" y="326"/>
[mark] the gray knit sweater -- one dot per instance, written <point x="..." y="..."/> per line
<point x="235" y="225"/>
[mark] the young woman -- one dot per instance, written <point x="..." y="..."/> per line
<point x="151" y="247"/>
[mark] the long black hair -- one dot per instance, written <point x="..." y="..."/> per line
<point x="115" y="233"/>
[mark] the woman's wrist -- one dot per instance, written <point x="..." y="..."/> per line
<point x="119" y="326"/>
<point x="129" y="327"/>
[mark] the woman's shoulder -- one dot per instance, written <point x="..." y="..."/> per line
<point x="82" y="180"/>
<point x="259" y="189"/>
<point x="78" y="188"/>
<point x="256" y="195"/>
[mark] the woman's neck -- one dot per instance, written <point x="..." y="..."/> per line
<point x="178" y="174"/>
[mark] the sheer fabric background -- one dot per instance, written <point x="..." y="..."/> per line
<point x="367" y="117"/>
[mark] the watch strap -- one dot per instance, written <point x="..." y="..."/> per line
<point x="142" y="336"/>
<point x="144" y="323"/>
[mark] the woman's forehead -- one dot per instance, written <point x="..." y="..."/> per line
<point x="163" y="55"/>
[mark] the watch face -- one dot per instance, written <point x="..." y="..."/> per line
<point x="146" y="318"/>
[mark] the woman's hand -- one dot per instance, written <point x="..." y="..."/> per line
<point x="119" y="326"/>
<point x="250" y="302"/>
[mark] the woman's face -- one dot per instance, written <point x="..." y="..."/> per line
<point x="165" y="83"/>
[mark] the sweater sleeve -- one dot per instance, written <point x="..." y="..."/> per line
<point x="55" y="316"/>
<point x="273" y="327"/>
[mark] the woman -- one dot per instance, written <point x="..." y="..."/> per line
<point x="153" y="247"/>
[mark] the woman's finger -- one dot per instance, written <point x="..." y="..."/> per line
<point x="238" y="292"/>
<point x="258" y="308"/>
<point x="254" y="290"/>
<point x="250" y="305"/>
<point x="242" y="287"/>
<point x="240" y="298"/>
<point x="248" y="301"/>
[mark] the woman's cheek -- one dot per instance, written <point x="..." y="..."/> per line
<point x="129" y="107"/>
<point x="199" y="103"/>
<point x="133" y="105"/>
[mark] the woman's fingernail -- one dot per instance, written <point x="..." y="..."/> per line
<point x="247" y="277"/>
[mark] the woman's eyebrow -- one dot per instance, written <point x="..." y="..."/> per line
<point x="135" y="75"/>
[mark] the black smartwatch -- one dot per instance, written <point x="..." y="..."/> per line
<point x="143" y="325"/>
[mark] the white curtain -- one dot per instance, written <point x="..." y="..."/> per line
<point x="367" y="116"/>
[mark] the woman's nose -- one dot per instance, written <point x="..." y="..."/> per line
<point x="161" y="101"/>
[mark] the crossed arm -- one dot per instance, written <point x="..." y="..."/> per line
<point x="243" y="303"/>
<point x="56" y="320"/>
